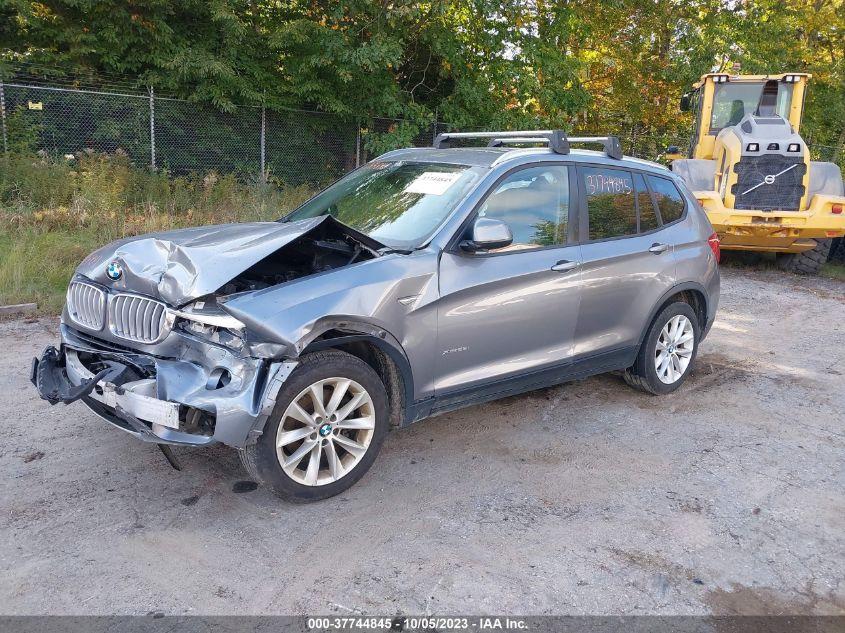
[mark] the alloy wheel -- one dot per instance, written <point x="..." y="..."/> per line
<point x="325" y="431"/>
<point x="674" y="349"/>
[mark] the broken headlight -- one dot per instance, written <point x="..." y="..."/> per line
<point x="207" y="321"/>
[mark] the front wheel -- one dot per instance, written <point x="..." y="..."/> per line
<point x="668" y="351"/>
<point x="326" y="429"/>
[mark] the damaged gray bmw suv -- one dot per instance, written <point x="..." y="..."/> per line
<point x="427" y="280"/>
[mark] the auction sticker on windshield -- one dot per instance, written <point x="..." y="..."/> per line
<point x="432" y="183"/>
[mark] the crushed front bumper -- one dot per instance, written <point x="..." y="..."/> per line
<point x="178" y="401"/>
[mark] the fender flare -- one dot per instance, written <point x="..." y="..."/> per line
<point x="363" y="332"/>
<point x="685" y="285"/>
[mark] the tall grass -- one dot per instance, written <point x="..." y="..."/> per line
<point x="54" y="211"/>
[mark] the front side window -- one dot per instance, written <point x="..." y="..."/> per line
<point x="534" y="203"/>
<point x="733" y="100"/>
<point x="397" y="203"/>
<point x="669" y="199"/>
<point x="610" y="202"/>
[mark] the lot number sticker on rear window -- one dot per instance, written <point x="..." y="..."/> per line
<point x="434" y="183"/>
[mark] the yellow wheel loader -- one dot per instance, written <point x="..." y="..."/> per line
<point x="750" y="169"/>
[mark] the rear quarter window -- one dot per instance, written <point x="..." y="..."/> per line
<point x="669" y="200"/>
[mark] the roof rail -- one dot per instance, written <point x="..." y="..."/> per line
<point x="557" y="140"/>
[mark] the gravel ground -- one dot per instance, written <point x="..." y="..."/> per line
<point x="589" y="498"/>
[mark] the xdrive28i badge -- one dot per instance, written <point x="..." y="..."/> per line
<point x="114" y="271"/>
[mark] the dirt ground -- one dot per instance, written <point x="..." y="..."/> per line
<point x="589" y="498"/>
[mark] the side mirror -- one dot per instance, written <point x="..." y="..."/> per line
<point x="686" y="102"/>
<point x="488" y="233"/>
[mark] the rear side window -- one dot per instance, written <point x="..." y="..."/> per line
<point x="610" y="202"/>
<point x="669" y="199"/>
<point x="648" y="218"/>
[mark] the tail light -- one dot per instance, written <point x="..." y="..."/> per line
<point x="714" y="242"/>
<point x="837" y="209"/>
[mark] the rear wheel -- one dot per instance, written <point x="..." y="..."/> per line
<point x="806" y="262"/>
<point x="668" y="351"/>
<point x="326" y="429"/>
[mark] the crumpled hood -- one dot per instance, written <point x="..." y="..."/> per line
<point x="182" y="265"/>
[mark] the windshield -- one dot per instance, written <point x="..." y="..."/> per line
<point x="733" y="100"/>
<point x="397" y="203"/>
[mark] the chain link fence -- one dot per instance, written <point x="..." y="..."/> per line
<point x="287" y="147"/>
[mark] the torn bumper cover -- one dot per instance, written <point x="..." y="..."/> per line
<point x="206" y="396"/>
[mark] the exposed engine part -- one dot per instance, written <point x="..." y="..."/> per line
<point x="323" y="249"/>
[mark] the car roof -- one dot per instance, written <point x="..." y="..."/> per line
<point x="493" y="156"/>
<point x="472" y="156"/>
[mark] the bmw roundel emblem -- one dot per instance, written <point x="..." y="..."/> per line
<point x="114" y="271"/>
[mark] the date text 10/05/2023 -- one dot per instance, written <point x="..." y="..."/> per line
<point x="412" y="623"/>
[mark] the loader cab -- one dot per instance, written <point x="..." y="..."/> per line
<point x="751" y="171"/>
<point x="720" y="101"/>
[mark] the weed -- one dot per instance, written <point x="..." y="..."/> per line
<point x="54" y="211"/>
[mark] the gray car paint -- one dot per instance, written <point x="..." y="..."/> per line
<point x="363" y="297"/>
<point x="504" y="314"/>
<point x="458" y="320"/>
<point x="177" y="266"/>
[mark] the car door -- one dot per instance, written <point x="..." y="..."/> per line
<point x="512" y="310"/>
<point x="627" y="261"/>
<point x="688" y="248"/>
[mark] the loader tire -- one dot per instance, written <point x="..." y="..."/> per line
<point x="837" y="251"/>
<point x="807" y="262"/>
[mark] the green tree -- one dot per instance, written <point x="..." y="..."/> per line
<point x="610" y="66"/>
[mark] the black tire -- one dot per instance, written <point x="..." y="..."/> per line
<point x="642" y="374"/>
<point x="807" y="262"/>
<point x="837" y="251"/>
<point x="740" y="258"/>
<point x="260" y="459"/>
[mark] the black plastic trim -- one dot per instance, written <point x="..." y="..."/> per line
<point x="574" y="369"/>
<point x="687" y="285"/>
<point x="395" y="355"/>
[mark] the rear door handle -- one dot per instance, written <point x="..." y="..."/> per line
<point x="658" y="248"/>
<point x="565" y="265"/>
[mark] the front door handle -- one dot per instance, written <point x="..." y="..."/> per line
<point x="565" y="265"/>
<point x="658" y="248"/>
